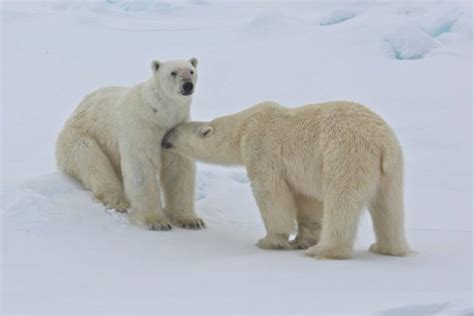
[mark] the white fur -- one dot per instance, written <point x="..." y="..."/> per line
<point x="316" y="166"/>
<point x="112" y="145"/>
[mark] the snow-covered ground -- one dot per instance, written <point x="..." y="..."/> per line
<point x="62" y="253"/>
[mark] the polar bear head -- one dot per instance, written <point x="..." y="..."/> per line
<point x="224" y="140"/>
<point x="175" y="78"/>
<point x="217" y="141"/>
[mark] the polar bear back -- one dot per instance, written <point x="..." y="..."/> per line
<point x="318" y="142"/>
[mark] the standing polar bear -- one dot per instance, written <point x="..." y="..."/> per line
<point x="112" y="145"/>
<point x="317" y="165"/>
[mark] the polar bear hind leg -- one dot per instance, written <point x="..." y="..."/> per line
<point x="81" y="156"/>
<point x="350" y="182"/>
<point x="342" y="209"/>
<point x="386" y="210"/>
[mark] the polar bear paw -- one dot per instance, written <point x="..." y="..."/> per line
<point x="301" y="242"/>
<point x="114" y="201"/>
<point x="190" y="223"/>
<point x="329" y="252"/>
<point x="275" y="242"/>
<point x="162" y="225"/>
<point x="389" y="250"/>
<point x="120" y="206"/>
<point x="150" y="221"/>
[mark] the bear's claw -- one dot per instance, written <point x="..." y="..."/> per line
<point x="150" y="221"/>
<point x="159" y="226"/>
<point x="190" y="223"/>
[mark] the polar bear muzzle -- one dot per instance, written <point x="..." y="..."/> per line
<point x="166" y="142"/>
<point x="187" y="88"/>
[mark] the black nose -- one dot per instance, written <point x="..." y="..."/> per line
<point x="188" y="87"/>
<point x="166" y="144"/>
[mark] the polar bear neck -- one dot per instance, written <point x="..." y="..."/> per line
<point x="163" y="109"/>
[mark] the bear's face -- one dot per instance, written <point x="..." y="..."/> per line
<point x="176" y="79"/>
<point x="190" y="139"/>
<point x="218" y="141"/>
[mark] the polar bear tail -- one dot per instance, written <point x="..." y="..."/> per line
<point x="392" y="157"/>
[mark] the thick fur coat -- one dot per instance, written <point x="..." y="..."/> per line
<point x="112" y="145"/>
<point x="313" y="169"/>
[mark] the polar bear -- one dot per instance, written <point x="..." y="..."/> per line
<point x="112" y="145"/>
<point x="317" y="166"/>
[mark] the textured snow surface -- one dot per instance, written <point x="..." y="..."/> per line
<point x="63" y="253"/>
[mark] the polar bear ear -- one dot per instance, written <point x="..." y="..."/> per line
<point x="194" y="62"/>
<point x="155" y="65"/>
<point x="205" y="131"/>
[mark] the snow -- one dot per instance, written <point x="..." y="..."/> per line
<point x="416" y="38"/>
<point x="62" y="253"/>
<point x="410" y="42"/>
<point x="337" y="16"/>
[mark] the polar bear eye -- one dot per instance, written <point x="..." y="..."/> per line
<point x="174" y="73"/>
<point x="192" y="72"/>
<point x="205" y="131"/>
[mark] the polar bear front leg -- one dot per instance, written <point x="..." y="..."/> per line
<point x="278" y="211"/>
<point x="142" y="190"/>
<point x="178" y="176"/>
<point x="309" y="218"/>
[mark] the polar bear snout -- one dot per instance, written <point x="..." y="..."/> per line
<point x="166" y="142"/>
<point x="187" y="88"/>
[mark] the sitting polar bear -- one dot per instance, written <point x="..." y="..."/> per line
<point x="111" y="144"/>
<point x="317" y="165"/>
